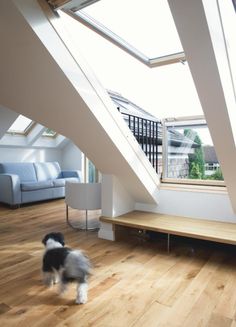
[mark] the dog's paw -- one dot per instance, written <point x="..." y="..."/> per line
<point x="47" y="282"/>
<point x="81" y="300"/>
<point x="56" y="280"/>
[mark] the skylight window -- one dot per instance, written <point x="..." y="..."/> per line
<point x="147" y="32"/>
<point x="154" y="37"/>
<point x="165" y="91"/>
<point x="21" y="125"/>
<point x="49" y="133"/>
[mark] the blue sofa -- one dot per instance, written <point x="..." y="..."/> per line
<point x="26" y="182"/>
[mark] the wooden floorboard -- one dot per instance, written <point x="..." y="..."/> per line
<point x="196" y="228"/>
<point x="135" y="282"/>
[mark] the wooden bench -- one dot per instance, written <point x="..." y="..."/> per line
<point x="174" y="225"/>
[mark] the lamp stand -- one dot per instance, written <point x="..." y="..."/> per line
<point x="86" y="228"/>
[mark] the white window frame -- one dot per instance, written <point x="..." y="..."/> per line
<point x="103" y="31"/>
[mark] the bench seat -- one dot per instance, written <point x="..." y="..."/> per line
<point x="216" y="231"/>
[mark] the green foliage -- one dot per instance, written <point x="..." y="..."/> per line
<point x="195" y="172"/>
<point x="217" y="175"/>
<point x="196" y="160"/>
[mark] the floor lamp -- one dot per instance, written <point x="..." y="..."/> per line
<point x="82" y="196"/>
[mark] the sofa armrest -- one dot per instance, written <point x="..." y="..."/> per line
<point x="10" y="191"/>
<point x="71" y="173"/>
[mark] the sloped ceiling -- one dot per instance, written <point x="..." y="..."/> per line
<point x="50" y="87"/>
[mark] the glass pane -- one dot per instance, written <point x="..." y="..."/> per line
<point x="191" y="153"/>
<point x="149" y="26"/>
<point x="49" y="132"/>
<point x="93" y="173"/>
<point x="20" y="125"/>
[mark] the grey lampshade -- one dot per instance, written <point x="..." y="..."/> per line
<point x="83" y="196"/>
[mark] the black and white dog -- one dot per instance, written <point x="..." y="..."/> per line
<point x="64" y="265"/>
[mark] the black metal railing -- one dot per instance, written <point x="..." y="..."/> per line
<point x="148" y="134"/>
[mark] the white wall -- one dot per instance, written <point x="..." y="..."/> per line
<point x="203" y="205"/>
<point x="29" y="155"/>
<point x="7" y="119"/>
<point x="115" y="198"/>
<point x="71" y="157"/>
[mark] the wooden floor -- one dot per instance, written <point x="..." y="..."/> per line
<point x="135" y="283"/>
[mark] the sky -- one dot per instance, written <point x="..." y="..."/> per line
<point x="203" y="132"/>
<point x="166" y="91"/>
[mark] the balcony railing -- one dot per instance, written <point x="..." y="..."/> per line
<point x="147" y="133"/>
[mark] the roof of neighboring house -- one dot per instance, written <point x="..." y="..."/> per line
<point x="128" y="107"/>
<point x="210" y="154"/>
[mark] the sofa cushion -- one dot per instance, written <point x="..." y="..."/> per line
<point x="60" y="182"/>
<point x="32" y="186"/>
<point x="25" y="170"/>
<point x="47" y="170"/>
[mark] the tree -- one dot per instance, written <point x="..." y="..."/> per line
<point x="196" y="160"/>
<point x="195" y="172"/>
<point x="217" y="175"/>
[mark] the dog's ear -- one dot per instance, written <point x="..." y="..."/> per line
<point x="60" y="238"/>
<point x="44" y="240"/>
